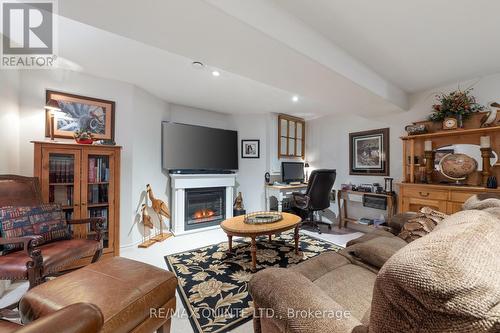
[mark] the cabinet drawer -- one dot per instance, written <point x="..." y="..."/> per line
<point x="416" y="204"/>
<point x="461" y="196"/>
<point x="426" y="193"/>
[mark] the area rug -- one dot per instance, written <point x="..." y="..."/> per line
<point x="214" y="285"/>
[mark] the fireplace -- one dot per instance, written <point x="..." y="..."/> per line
<point x="200" y="201"/>
<point x="204" y="207"/>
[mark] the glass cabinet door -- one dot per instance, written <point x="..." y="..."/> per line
<point x="60" y="180"/>
<point x="98" y="192"/>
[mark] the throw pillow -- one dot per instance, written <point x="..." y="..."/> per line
<point x="45" y="220"/>
<point x="376" y="251"/>
<point x="423" y="223"/>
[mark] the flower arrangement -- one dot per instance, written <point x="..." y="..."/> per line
<point x="83" y="137"/>
<point x="458" y="103"/>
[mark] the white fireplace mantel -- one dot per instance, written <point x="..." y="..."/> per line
<point x="180" y="182"/>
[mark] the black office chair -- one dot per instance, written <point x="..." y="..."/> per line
<point x="316" y="198"/>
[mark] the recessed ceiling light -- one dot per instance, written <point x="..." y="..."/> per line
<point x="295" y="99"/>
<point x="197" y="65"/>
<point x="216" y="73"/>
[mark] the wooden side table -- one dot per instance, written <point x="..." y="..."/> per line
<point x="237" y="227"/>
<point x="343" y="197"/>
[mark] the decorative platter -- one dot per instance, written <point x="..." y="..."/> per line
<point x="262" y="217"/>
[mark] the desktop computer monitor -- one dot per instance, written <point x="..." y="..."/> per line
<point x="292" y="172"/>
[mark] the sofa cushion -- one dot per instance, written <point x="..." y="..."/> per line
<point x="320" y="265"/>
<point x="376" y="251"/>
<point x="371" y="235"/>
<point x="447" y="281"/>
<point x="46" y="220"/>
<point x="350" y="286"/>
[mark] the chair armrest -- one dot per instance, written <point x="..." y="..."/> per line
<point x="300" y="200"/>
<point x="29" y="242"/>
<point x="75" y="318"/>
<point x="95" y="222"/>
<point x="295" y="304"/>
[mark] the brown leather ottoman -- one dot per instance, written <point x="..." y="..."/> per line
<point x="129" y="294"/>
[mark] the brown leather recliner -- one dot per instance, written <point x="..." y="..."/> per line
<point x="36" y="261"/>
<point x="75" y="318"/>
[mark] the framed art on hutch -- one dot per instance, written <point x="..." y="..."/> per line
<point x="369" y="152"/>
<point x="80" y="113"/>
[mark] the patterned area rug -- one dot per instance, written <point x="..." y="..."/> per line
<point x="214" y="286"/>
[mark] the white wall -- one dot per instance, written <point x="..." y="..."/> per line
<point x="9" y="121"/>
<point x="137" y="129"/>
<point x="328" y="137"/>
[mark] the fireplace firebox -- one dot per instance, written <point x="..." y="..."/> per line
<point x="204" y="207"/>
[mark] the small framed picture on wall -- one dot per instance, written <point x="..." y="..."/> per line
<point x="250" y="148"/>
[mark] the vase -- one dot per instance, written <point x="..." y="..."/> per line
<point x="460" y="121"/>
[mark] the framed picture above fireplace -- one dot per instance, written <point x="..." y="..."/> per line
<point x="250" y="148"/>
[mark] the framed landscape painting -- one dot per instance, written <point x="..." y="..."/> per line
<point x="369" y="153"/>
<point x="80" y="113"/>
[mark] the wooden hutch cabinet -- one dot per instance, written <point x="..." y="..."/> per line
<point x="437" y="191"/>
<point x="85" y="181"/>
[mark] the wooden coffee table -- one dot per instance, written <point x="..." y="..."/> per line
<point x="237" y="227"/>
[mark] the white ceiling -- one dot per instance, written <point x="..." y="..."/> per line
<point x="337" y="56"/>
<point x="415" y="44"/>
<point x="198" y="30"/>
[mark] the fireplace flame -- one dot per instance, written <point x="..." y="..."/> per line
<point x="203" y="213"/>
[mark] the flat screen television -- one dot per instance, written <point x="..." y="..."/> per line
<point x="198" y="148"/>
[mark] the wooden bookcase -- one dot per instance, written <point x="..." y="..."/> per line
<point x="85" y="181"/>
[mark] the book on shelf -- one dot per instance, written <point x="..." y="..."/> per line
<point x="62" y="195"/>
<point x="61" y="170"/>
<point x="98" y="194"/>
<point x="98" y="169"/>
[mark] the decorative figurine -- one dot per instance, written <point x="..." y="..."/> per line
<point x="492" y="182"/>
<point x="490" y="116"/>
<point x="238" y="202"/>
<point x="146" y="218"/>
<point x="161" y="209"/>
<point x="147" y="241"/>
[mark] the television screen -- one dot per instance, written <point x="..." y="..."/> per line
<point x="190" y="147"/>
<point x="292" y="172"/>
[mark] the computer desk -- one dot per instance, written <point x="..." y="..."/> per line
<point x="280" y="192"/>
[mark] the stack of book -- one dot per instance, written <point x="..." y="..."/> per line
<point x="98" y="194"/>
<point x="99" y="169"/>
<point x="61" y="170"/>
